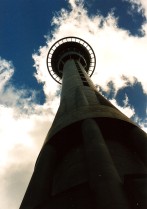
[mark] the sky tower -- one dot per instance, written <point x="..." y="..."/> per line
<point x="94" y="157"/>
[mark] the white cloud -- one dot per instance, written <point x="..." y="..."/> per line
<point x="120" y="58"/>
<point x="6" y="71"/>
<point x="140" y="5"/>
<point x="126" y="109"/>
<point x="75" y="3"/>
<point x="118" y="53"/>
<point x="24" y="126"/>
<point x="142" y="124"/>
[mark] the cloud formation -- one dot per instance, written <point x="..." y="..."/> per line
<point x="121" y="59"/>
<point x="24" y="125"/>
<point x="140" y="5"/>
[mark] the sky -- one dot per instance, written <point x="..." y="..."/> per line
<point x="29" y="97"/>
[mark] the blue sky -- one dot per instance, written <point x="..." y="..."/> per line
<point x="29" y="98"/>
<point x="23" y="26"/>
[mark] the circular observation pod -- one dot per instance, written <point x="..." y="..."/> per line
<point x="70" y="48"/>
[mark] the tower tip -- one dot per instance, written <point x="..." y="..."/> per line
<point x="70" y="48"/>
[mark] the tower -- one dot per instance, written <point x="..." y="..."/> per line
<point x="94" y="157"/>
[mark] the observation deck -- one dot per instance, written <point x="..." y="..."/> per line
<point x="70" y="48"/>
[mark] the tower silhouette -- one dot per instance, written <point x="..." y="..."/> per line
<point x="94" y="157"/>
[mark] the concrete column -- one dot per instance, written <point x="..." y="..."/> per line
<point x="104" y="180"/>
<point x="40" y="185"/>
<point x="136" y="189"/>
<point x="138" y="139"/>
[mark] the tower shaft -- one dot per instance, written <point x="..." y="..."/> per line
<point x="80" y="99"/>
<point x="94" y="157"/>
